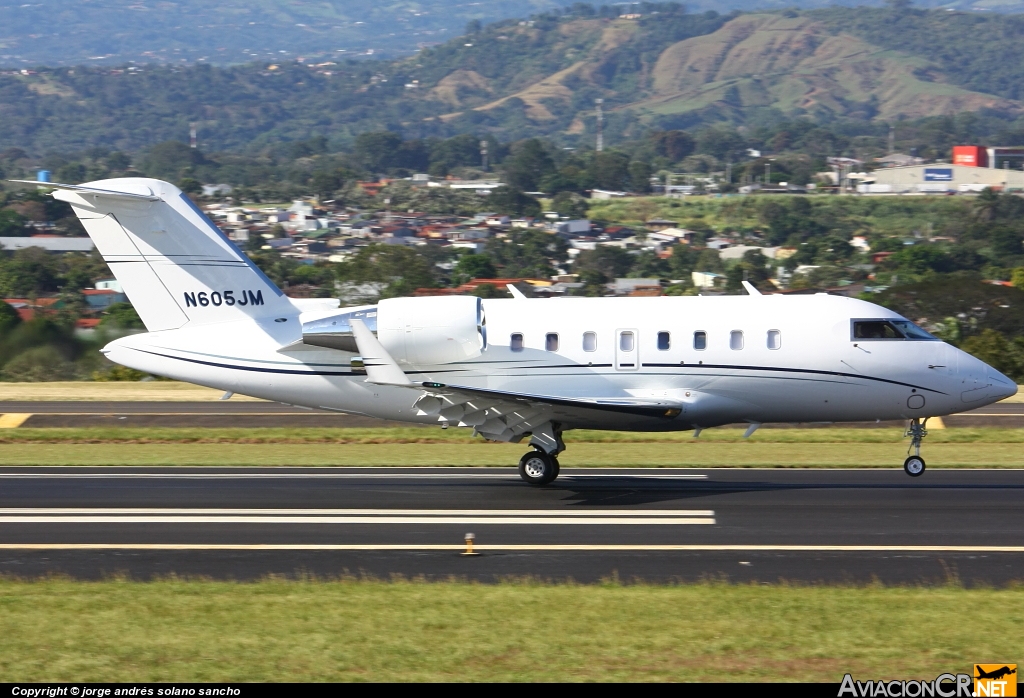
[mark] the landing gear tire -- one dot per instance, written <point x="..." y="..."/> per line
<point x="914" y="466"/>
<point x="538" y="468"/>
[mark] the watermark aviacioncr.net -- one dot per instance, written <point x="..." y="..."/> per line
<point x="987" y="681"/>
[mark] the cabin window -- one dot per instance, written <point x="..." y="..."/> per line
<point x="551" y="341"/>
<point x="516" y="342"/>
<point x="664" y="341"/>
<point x="774" y="339"/>
<point x="736" y="339"/>
<point x="626" y="341"/>
<point x="590" y="341"/>
<point x="700" y="340"/>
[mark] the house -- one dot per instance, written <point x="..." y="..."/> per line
<point x="111" y="284"/>
<point x="705" y="279"/>
<point x="636" y="287"/>
<point x="659" y="224"/>
<point x="50" y="243"/>
<point x="605" y="194"/>
<point x="576" y="227"/>
<point x="477" y="185"/>
<point x="98" y="299"/>
<point x="671" y="236"/>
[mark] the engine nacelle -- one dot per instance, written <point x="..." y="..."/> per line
<point x="432" y="330"/>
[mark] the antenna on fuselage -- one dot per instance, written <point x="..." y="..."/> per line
<point x="751" y="288"/>
<point x="516" y="293"/>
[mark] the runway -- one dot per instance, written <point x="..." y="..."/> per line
<point x="230" y="413"/>
<point x="652" y="524"/>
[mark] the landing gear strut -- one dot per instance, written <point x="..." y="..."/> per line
<point x="538" y="468"/>
<point x="914" y="465"/>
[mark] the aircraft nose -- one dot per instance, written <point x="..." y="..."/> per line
<point x="979" y="381"/>
<point x="1001" y="386"/>
<point x="981" y="384"/>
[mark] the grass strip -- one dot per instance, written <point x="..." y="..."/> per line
<point x="116" y="391"/>
<point x="418" y="435"/>
<point x="349" y="630"/>
<point x="694" y="454"/>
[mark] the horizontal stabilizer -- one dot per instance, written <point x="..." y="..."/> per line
<point x="139" y="196"/>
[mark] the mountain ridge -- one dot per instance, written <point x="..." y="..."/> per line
<point x="522" y="78"/>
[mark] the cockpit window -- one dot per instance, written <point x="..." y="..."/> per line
<point x="912" y="331"/>
<point x="889" y="329"/>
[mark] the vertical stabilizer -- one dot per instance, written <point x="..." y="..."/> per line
<point x="174" y="264"/>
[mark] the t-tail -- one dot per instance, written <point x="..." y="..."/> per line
<point x="176" y="267"/>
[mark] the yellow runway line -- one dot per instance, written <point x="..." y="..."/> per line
<point x="531" y="548"/>
<point x="13" y="420"/>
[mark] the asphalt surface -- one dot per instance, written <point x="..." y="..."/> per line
<point x="852" y="526"/>
<point x="224" y="413"/>
<point x="229" y="413"/>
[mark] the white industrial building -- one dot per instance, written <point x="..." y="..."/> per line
<point x="938" y="178"/>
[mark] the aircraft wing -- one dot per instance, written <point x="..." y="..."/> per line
<point x="495" y="414"/>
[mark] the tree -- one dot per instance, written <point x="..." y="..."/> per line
<point x="401" y="268"/>
<point x="1017" y="279"/>
<point x="610" y="170"/>
<point x="569" y="204"/>
<point x="998" y="352"/>
<point x="9" y="318"/>
<point x="190" y="185"/>
<point x="723" y="143"/>
<point x="1005" y="240"/>
<point x="376" y="150"/>
<point x="170" y="160"/>
<point x="325" y="183"/>
<point x="475" y="266"/>
<point x="12" y="224"/>
<point x="460" y="151"/>
<point x="527" y="253"/>
<point x="639" y="177"/>
<point x="529" y="162"/>
<point x="512" y="201"/>
<point x="609" y="262"/>
<point x="122" y="316"/>
<point x="753" y="268"/>
<point x="674" y="145"/>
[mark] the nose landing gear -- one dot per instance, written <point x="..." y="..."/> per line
<point x="914" y="465"/>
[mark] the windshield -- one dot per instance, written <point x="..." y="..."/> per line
<point x="889" y="329"/>
<point x="912" y="331"/>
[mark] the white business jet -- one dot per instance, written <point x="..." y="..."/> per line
<point x="513" y="368"/>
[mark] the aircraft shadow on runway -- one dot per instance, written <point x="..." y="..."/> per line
<point x="633" y="490"/>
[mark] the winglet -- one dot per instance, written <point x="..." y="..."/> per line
<point x="751" y="288"/>
<point x="380" y="366"/>
<point x="516" y="293"/>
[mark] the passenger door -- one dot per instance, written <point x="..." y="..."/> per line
<point x="627" y="350"/>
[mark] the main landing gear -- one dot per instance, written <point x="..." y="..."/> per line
<point x="914" y="465"/>
<point x="538" y="468"/>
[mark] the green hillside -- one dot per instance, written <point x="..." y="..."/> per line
<point x="520" y="78"/>
<point x="225" y="32"/>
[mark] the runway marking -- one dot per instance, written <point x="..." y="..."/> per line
<point x="350" y="476"/>
<point x="524" y="548"/>
<point x="435" y="520"/>
<point x="363" y="512"/>
<point x="198" y="412"/>
<point x="13" y="420"/>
